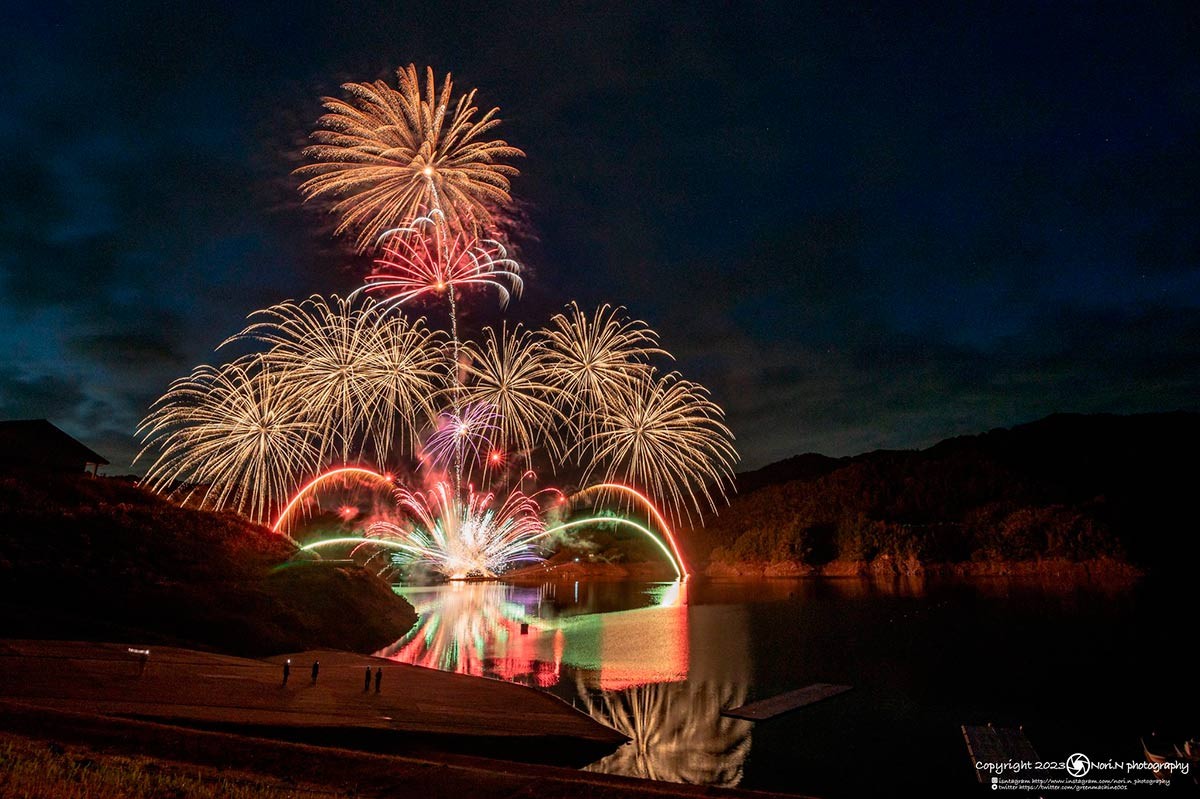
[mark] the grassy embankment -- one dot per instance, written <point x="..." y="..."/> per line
<point x="101" y="559"/>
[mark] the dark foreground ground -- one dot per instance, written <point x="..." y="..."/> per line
<point x="84" y="720"/>
<point x="63" y="755"/>
<point x="416" y="710"/>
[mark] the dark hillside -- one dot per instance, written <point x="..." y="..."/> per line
<point x="84" y="557"/>
<point x="1067" y="487"/>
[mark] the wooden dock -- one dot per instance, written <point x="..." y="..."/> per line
<point x="782" y="703"/>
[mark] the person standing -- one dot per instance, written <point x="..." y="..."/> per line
<point x="316" y="669"/>
<point x="378" y="677"/>
<point x="287" y="671"/>
<point x="367" y="680"/>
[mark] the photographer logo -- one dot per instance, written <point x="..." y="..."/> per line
<point x="1078" y="765"/>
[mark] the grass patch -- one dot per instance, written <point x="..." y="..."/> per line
<point x="33" y="769"/>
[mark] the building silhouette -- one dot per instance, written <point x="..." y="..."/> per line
<point x="36" y="445"/>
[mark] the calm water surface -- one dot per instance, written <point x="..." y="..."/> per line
<point x="1084" y="669"/>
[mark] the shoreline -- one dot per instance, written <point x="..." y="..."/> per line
<point x="883" y="567"/>
<point x="886" y="566"/>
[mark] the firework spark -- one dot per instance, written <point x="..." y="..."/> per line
<point x="343" y="473"/>
<point x="236" y="432"/>
<point x="597" y="357"/>
<point x="666" y="436"/>
<point x="469" y="537"/>
<point x="361" y="374"/>
<point x="389" y="155"/>
<point x="462" y="437"/>
<point x="510" y="372"/>
<point x="426" y="258"/>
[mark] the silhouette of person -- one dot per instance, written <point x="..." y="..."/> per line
<point x="287" y="670"/>
<point x="378" y="677"/>
<point x="367" y="680"/>
<point x="315" y="670"/>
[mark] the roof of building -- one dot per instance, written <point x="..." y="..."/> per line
<point x="21" y="438"/>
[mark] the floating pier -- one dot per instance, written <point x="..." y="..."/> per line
<point x="782" y="703"/>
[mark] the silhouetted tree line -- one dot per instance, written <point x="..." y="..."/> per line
<point x="1073" y="487"/>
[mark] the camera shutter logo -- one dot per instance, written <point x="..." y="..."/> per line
<point x="1078" y="765"/>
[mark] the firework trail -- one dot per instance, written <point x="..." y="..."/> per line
<point x="360" y="374"/>
<point x="388" y="155"/>
<point x="236" y="432"/>
<point x="342" y="473"/>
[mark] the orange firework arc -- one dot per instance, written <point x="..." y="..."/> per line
<point x="654" y="512"/>
<point x="312" y="485"/>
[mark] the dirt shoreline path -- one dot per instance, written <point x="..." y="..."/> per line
<point x="97" y="696"/>
<point x="414" y="706"/>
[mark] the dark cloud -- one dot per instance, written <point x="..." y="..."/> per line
<point x="26" y="396"/>
<point x="861" y="227"/>
<point x="133" y="351"/>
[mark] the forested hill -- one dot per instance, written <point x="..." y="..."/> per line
<point x="1068" y="486"/>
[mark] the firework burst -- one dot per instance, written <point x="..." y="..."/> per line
<point x="415" y="170"/>
<point x="462" y="437"/>
<point x="427" y="259"/>
<point x="665" y="435"/>
<point x="390" y="155"/>
<point x="597" y="357"/>
<point x="233" y="431"/>
<point x="359" y="373"/>
<point x="468" y="537"/>
<point x="510" y="372"/>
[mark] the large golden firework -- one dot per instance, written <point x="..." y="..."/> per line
<point x="363" y="376"/>
<point x="511" y="372"/>
<point x="595" y="357"/>
<point x="415" y="170"/>
<point x="665" y="435"/>
<point x="235" y="434"/>
<point x="387" y="156"/>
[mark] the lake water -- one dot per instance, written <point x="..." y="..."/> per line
<point x="1083" y="668"/>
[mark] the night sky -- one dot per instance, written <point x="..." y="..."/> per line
<point x="861" y="228"/>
